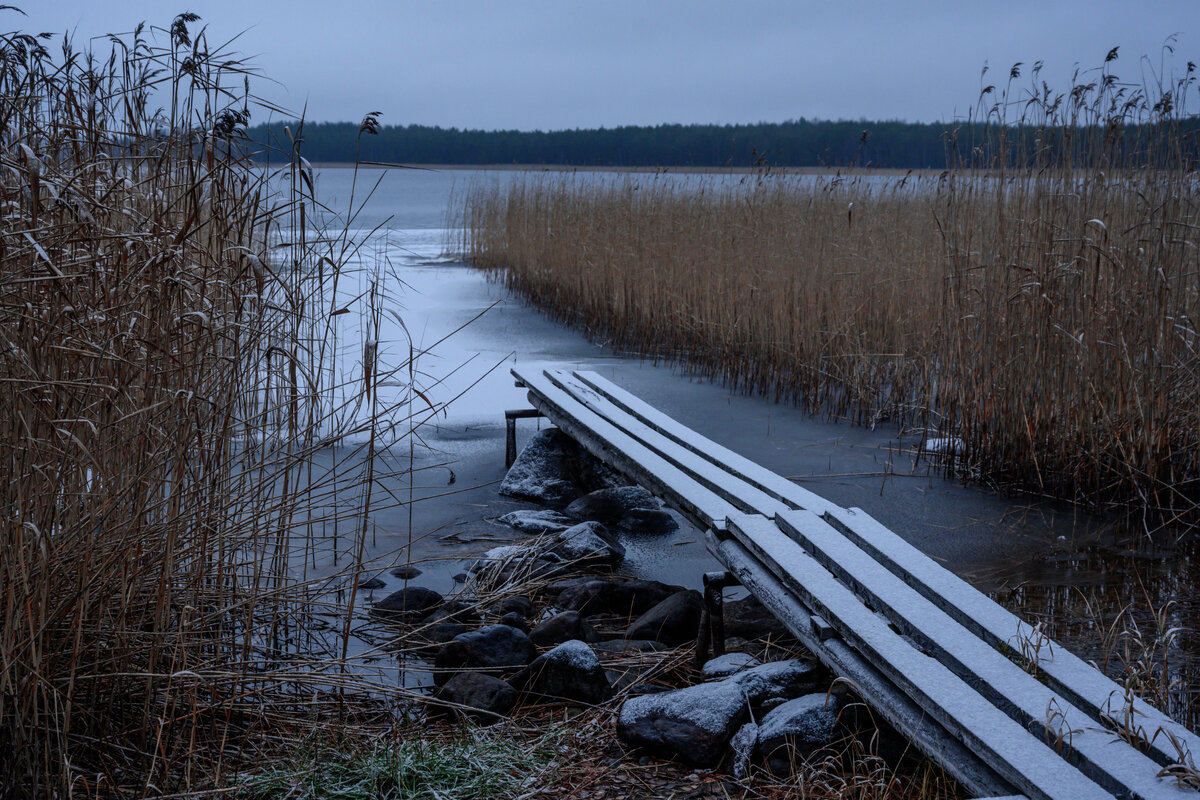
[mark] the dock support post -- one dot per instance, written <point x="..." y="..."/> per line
<point x="712" y="620"/>
<point x="510" y="432"/>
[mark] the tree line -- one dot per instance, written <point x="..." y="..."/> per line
<point x="796" y="143"/>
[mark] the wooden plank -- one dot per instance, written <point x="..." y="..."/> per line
<point x="1018" y="756"/>
<point x="753" y="474"/>
<point x="1034" y="705"/>
<point x="611" y="445"/>
<point x="876" y="690"/>
<point x="744" y="496"/>
<point x="1082" y="684"/>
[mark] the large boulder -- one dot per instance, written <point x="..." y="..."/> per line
<point x="587" y="543"/>
<point x="674" y="621"/>
<point x="693" y="724"/>
<point x="614" y="596"/>
<point x="411" y="602"/>
<point x="780" y="679"/>
<point x="489" y="696"/>
<point x="490" y="647"/>
<point x="630" y="509"/>
<point x="570" y="671"/>
<point x="795" y="730"/>
<point x="561" y="628"/>
<point x="537" y="522"/>
<point x="553" y="469"/>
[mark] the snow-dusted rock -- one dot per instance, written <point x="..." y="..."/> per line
<point x="729" y="664"/>
<point x="492" y="646"/>
<point x="742" y="746"/>
<point x="630" y="509"/>
<point x="537" y="522"/>
<point x="794" y="730"/>
<point x="571" y="670"/>
<point x="540" y="471"/>
<point x="561" y="628"/>
<point x="491" y="696"/>
<point x="775" y="679"/>
<point x="589" y="542"/>
<point x="674" y="621"/>
<point x="694" y="724"/>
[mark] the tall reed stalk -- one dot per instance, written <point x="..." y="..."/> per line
<point x="1040" y="299"/>
<point x="165" y="389"/>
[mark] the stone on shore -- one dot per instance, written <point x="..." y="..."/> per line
<point x="674" y="621"/>
<point x="726" y="665"/>
<point x="630" y="509"/>
<point x="554" y="470"/>
<point x="780" y="679"/>
<point x="490" y="696"/>
<point x="561" y="628"/>
<point x="795" y="730"/>
<point x="570" y="671"/>
<point x="693" y="724"/>
<point x="589" y="542"/>
<point x="537" y="521"/>
<point x="614" y="596"/>
<point x="490" y="647"/>
<point x="407" y="604"/>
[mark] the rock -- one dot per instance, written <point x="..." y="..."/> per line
<point x="729" y="664"/>
<point x="623" y="646"/>
<point x="558" y="587"/>
<point x="674" y="621"/>
<point x="609" y="506"/>
<point x="553" y="469"/>
<point x="796" y="729"/>
<point x="537" y="522"/>
<point x="514" y="620"/>
<point x="372" y="583"/>
<point x="406" y="572"/>
<point x="561" y="628"/>
<point x="747" y="618"/>
<point x="589" y="542"/>
<point x="409" y="603"/>
<point x="693" y="724"/>
<point x="630" y="509"/>
<point x="571" y="671"/>
<point x="519" y="604"/>
<point x="786" y="679"/>
<point x="454" y="611"/>
<point x="742" y="744"/>
<point x="492" y="646"/>
<point x="492" y="697"/>
<point x="614" y="596"/>
<point x="638" y="689"/>
<point x="442" y="632"/>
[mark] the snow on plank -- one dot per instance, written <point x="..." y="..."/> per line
<point x="881" y="694"/>
<point x="758" y="476"/>
<point x="1031" y="703"/>
<point x="741" y="494"/>
<point x="613" y="446"/>
<point x="1017" y="755"/>
<point x="1081" y="683"/>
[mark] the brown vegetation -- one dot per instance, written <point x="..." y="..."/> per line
<point x="1041" y="303"/>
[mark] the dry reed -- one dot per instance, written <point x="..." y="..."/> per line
<point x="166" y="387"/>
<point x="1039" y="300"/>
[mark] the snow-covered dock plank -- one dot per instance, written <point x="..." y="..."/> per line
<point x="881" y="694"/>
<point x="613" y="446"/>
<point x="1081" y="683"/>
<point x="1121" y="770"/>
<point x="1019" y="756"/>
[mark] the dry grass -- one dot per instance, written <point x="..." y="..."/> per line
<point x="1040" y="301"/>
<point x="166" y="385"/>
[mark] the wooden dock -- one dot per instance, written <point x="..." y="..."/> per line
<point x="958" y="674"/>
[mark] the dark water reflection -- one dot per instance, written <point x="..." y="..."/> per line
<point x="1129" y="605"/>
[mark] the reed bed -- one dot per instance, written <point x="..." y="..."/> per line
<point x="169" y="410"/>
<point x="1039" y="299"/>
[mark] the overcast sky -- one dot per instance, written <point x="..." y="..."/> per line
<point x="585" y="63"/>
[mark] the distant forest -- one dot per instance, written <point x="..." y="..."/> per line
<point x="799" y="143"/>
